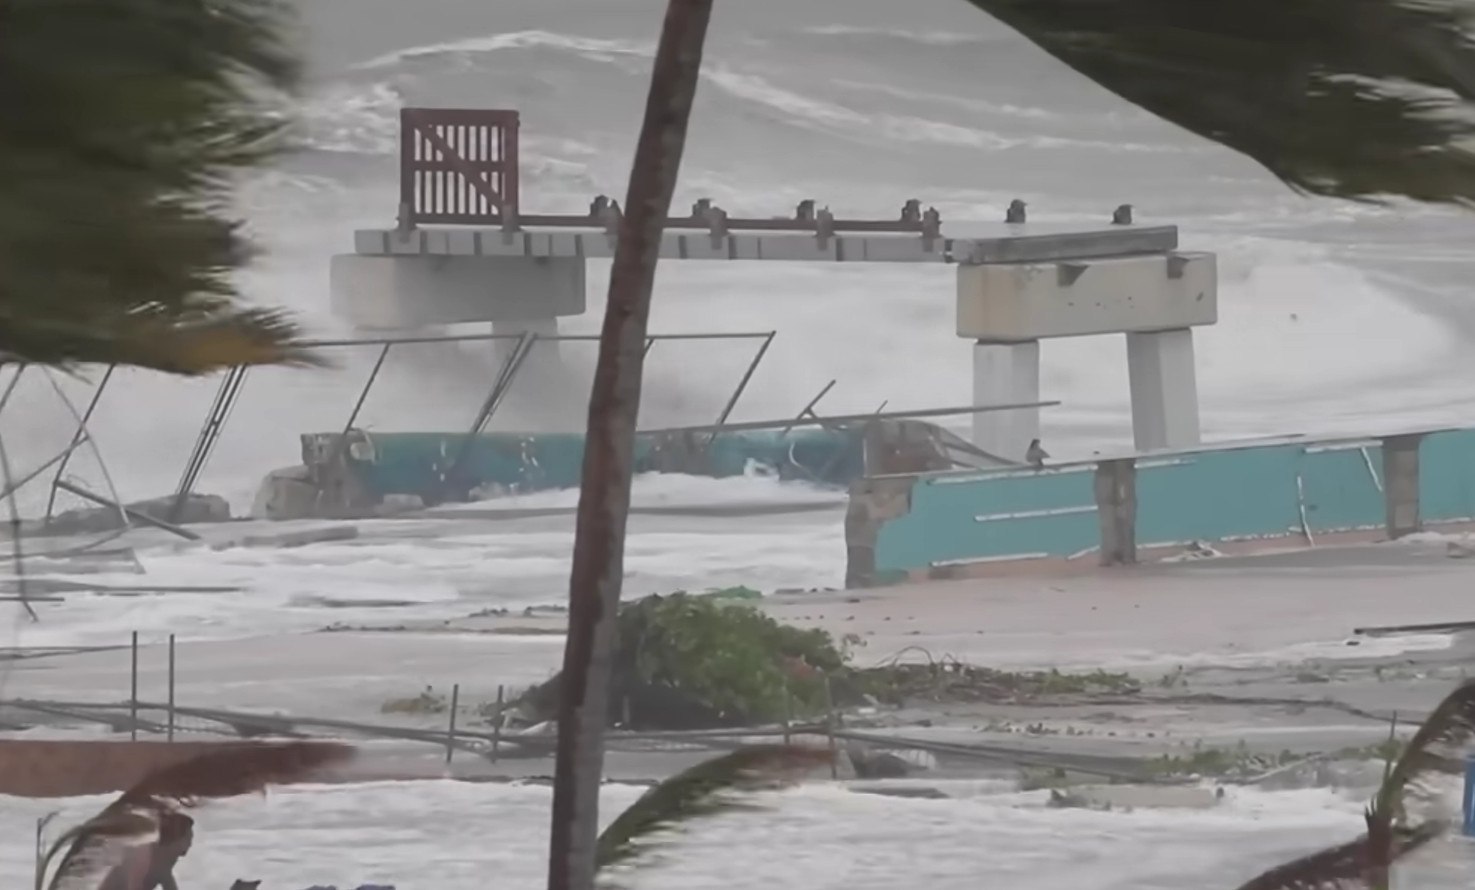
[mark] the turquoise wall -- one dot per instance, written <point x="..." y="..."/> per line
<point x="1207" y="495"/>
<point x="417" y="463"/>
<point x="1449" y="493"/>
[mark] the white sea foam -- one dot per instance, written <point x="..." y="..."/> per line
<point x="436" y="834"/>
<point x="423" y="569"/>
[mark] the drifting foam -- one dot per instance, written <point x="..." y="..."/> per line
<point x="407" y="834"/>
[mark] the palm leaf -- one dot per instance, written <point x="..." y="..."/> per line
<point x="96" y="845"/>
<point x="1347" y="98"/>
<point x="703" y="790"/>
<point x="1342" y="866"/>
<point x="135" y="816"/>
<point x="123" y="126"/>
<point x="1439" y="747"/>
<point x="233" y="770"/>
<point x="160" y="341"/>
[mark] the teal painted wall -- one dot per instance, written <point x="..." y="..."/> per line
<point x="1447" y="476"/>
<point x="417" y="463"/>
<point x="1214" y="495"/>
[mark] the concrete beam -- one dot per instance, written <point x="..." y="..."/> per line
<point x="1083" y="296"/>
<point x="993" y="243"/>
<point x="410" y="291"/>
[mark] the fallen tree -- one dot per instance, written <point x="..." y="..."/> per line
<point x="687" y="662"/>
<point x="701" y="662"/>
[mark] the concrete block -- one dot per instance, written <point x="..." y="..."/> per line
<point x="893" y="249"/>
<point x="1030" y="301"/>
<point x="702" y="247"/>
<point x="288" y="493"/>
<point x="461" y="242"/>
<point x="411" y="243"/>
<point x="671" y="247"/>
<point x="801" y="249"/>
<point x="493" y="242"/>
<point x="370" y="242"/>
<point x="745" y="248"/>
<point x="566" y="244"/>
<point x="410" y="292"/>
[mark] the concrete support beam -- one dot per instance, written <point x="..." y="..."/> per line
<point x="991" y="243"/>
<point x="1401" y="485"/>
<point x="1003" y="374"/>
<point x="1164" y="390"/>
<point x="1085" y="296"/>
<point x="409" y="292"/>
<point x="1116" y="506"/>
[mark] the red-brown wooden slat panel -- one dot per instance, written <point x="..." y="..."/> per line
<point x="458" y="165"/>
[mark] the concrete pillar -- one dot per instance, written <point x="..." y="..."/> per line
<point x="1401" y="485"/>
<point x="1006" y="373"/>
<point x="1164" y="389"/>
<point x="1116" y="508"/>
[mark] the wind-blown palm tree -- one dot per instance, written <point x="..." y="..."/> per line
<point x="122" y="126"/>
<point x="1359" y="99"/>
<point x="604" y="499"/>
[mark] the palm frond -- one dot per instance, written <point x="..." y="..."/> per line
<point x="135" y="817"/>
<point x="1358" y="99"/>
<point x="233" y="770"/>
<point x="197" y="343"/>
<point x="124" y="124"/>
<point x="98" y="844"/>
<point x="1343" y="866"/>
<point x="1439" y="747"/>
<point x="703" y="790"/>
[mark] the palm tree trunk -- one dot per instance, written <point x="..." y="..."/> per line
<point x="604" y="498"/>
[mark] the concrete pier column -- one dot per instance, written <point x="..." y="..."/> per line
<point x="1006" y="373"/>
<point x="1164" y="389"/>
<point x="1116" y="509"/>
<point x="1401" y="485"/>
